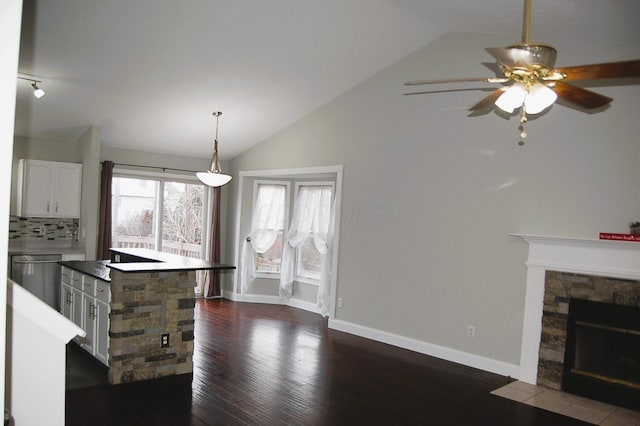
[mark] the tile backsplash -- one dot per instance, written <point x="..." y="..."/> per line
<point x="42" y="229"/>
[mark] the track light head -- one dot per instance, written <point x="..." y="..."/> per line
<point x="37" y="92"/>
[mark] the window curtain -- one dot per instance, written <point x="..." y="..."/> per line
<point x="312" y="217"/>
<point x="212" y="284"/>
<point x="266" y="222"/>
<point x="104" y="224"/>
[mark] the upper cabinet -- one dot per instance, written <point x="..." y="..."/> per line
<point x="49" y="189"/>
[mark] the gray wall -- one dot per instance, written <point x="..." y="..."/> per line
<point x="431" y="195"/>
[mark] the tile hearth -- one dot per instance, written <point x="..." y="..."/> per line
<point x="569" y="405"/>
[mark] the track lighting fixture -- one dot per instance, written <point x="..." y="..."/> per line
<point x="37" y="91"/>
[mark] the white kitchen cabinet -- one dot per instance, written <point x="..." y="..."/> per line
<point x="102" y="332"/>
<point x="89" y="340"/>
<point x="85" y="301"/>
<point x="65" y="302"/>
<point x="48" y="189"/>
<point x="76" y="308"/>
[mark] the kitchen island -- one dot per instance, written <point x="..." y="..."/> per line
<point x="150" y="306"/>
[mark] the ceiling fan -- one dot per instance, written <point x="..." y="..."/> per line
<point x="531" y="82"/>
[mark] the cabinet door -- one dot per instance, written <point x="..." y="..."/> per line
<point x="66" y="195"/>
<point x="76" y="308"/>
<point x="65" y="302"/>
<point x="88" y="343"/>
<point x="35" y="183"/>
<point x="102" y="332"/>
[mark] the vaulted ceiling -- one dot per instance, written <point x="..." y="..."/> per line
<point x="150" y="73"/>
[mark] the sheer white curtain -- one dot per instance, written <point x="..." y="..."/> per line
<point x="312" y="217"/>
<point x="267" y="220"/>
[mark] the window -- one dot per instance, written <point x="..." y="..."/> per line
<point x="159" y="214"/>
<point x="134" y="215"/>
<point x="313" y="203"/>
<point x="182" y="219"/>
<point x="268" y="224"/>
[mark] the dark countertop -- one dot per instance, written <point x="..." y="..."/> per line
<point x="160" y="261"/>
<point x="95" y="268"/>
<point x="157" y="262"/>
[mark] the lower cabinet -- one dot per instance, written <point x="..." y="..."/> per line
<point x="85" y="301"/>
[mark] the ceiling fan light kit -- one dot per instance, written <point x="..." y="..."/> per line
<point x="533" y="84"/>
<point x="213" y="176"/>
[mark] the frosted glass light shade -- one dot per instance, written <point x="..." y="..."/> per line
<point x="512" y="98"/>
<point x="37" y="92"/>
<point x="539" y="98"/>
<point x="213" y="179"/>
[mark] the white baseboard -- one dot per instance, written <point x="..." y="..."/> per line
<point x="442" y="352"/>
<point x="272" y="300"/>
<point x="448" y="354"/>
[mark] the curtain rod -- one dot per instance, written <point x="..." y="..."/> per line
<point x="164" y="169"/>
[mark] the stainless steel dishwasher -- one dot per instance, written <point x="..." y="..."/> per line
<point x="39" y="274"/>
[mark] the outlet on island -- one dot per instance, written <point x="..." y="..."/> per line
<point x="164" y="340"/>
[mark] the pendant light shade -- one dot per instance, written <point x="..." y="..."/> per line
<point x="535" y="98"/>
<point x="214" y="176"/>
<point x="512" y="98"/>
<point x="539" y="98"/>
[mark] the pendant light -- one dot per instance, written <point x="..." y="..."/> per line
<point x="214" y="176"/>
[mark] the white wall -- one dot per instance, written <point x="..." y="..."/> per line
<point x="89" y="146"/>
<point x="10" y="13"/>
<point x="430" y="195"/>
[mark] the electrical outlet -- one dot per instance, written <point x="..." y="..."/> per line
<point x="339" y="302"/>
<point x="471" y="331"/>
<point x="164" y="340"/>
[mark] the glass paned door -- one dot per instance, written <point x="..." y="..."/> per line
<point x="182" y="219"/>
<point x="133" y="212"/>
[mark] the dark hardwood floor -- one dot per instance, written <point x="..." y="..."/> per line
<point x="272" y="365"/>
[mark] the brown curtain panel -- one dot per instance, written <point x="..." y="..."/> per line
<point x="212" y="285"/>
<point x="104" y="226"/>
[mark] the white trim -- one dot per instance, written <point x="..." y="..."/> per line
<point x="616" y="259"/>
<point x="338" y="170"/>
<point x="336" y="243"/>
<point x="293" y="171"/>
<point x="272" y="300"/>
<point x="442" y="352"/>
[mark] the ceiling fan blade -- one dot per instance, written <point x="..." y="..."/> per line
<point x="488" y="100"/>
<point x="581" y="97"/>
<point x="429" y="92"/>
<point x="456" y="80"/>
<point x="622" y="69"/>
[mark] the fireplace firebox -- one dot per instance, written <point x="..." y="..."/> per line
<point x="602" y="355"/>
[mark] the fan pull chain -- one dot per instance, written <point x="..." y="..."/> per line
<point x="523" y="134"/>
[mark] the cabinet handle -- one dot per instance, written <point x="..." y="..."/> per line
<point x="48" y="202"/>
<point x="56" y="207"/>
<point x="100" y="290"/>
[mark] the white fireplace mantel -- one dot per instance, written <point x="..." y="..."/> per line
<point x="616" y="259"/>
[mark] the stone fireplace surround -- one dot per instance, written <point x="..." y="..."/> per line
<point x="600" y="270"/>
